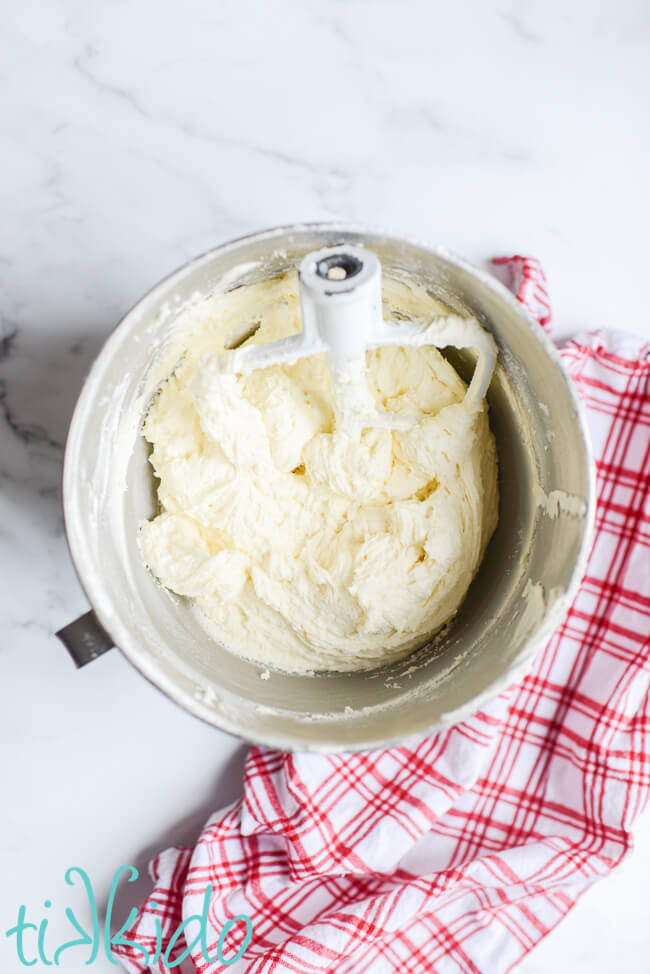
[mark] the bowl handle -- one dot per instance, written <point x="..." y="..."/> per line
<point x="85" y="639"/>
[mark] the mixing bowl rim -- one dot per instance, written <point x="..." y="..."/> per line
<point x="102" y="604"/>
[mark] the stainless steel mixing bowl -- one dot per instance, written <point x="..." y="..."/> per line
<point x="526" y="582"/>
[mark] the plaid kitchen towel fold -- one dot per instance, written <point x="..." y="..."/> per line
<point x="459" y="853"/>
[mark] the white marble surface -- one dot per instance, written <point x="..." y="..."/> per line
<point x="138" y="134"/>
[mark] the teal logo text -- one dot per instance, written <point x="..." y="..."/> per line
<point x="31" y="937"/>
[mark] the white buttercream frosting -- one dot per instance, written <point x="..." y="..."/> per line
<point x="304" y="544"/>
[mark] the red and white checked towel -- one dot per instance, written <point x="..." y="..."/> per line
<point x="460" y="853"/>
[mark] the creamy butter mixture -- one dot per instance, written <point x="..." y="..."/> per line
<point x="305" y="545"/>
